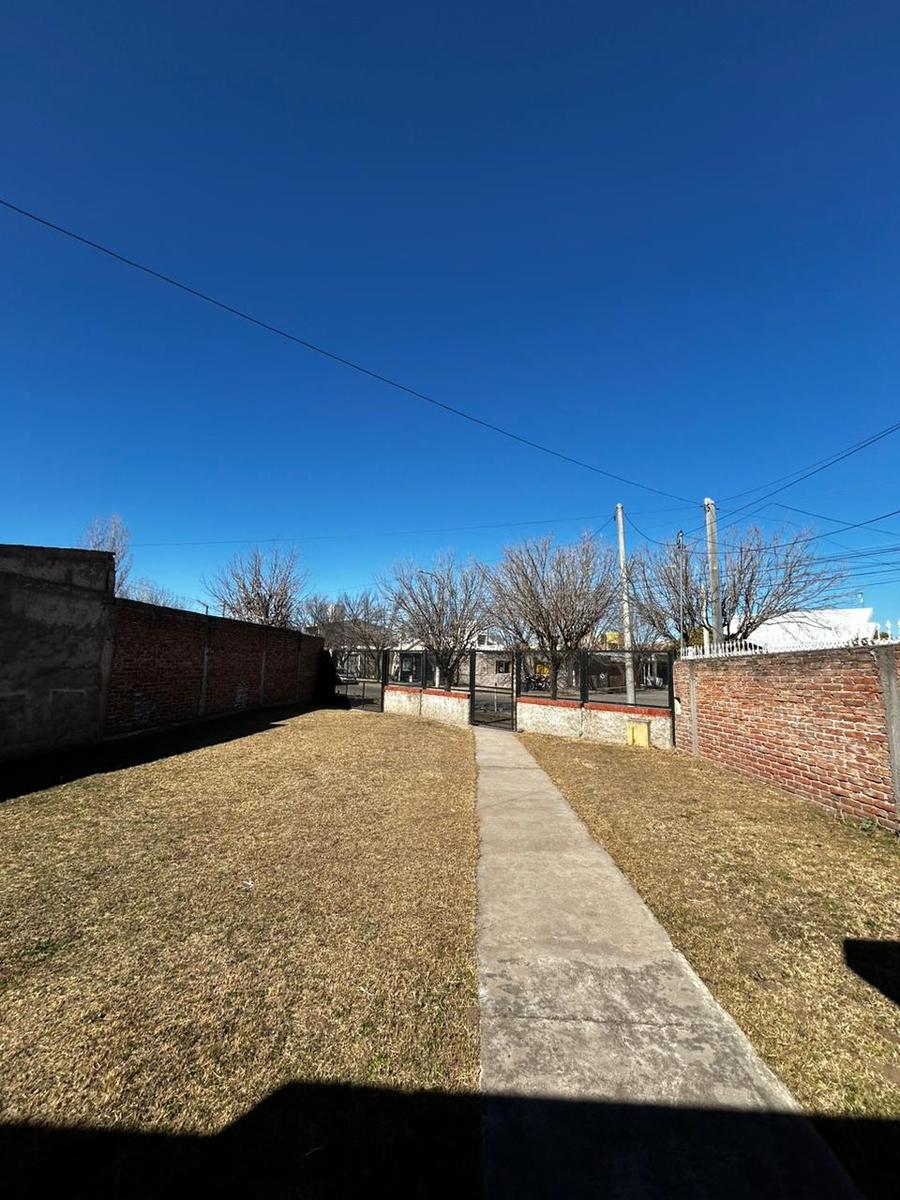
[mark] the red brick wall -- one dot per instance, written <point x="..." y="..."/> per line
<point x="170" y="666"/>
<point x="282" y="648"/>
<point x="157" y="667"/>
<point x="815" y="723"/>
<point x="235" y="666"/>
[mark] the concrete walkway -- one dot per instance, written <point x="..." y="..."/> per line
<point x="608" y="1070"/>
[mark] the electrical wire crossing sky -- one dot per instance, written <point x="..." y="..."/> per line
<point x="383" y="283"/>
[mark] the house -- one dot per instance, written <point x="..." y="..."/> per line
<point x="797" y="629"/>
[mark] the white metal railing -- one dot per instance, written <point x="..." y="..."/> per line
<point x="741" y="648"/>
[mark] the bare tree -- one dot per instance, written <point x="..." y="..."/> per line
<point x="761" y="579"/>
<point x="362" y="623"/>
<point x="111" y="534"/>
<point x="372" y="622"/>
<point x="444" y="608"/>
<point x="329" y="620"/>
<point x="149" y="592"/>
<point x="262" y="586"/>
<point x="554" y="596"/>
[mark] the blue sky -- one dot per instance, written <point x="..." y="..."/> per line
<point x="662" y="238"/>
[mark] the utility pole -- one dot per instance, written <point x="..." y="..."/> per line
<point x="681" y="591"/>
<point x="712" y="556"/>
<point x="626" y="614"/>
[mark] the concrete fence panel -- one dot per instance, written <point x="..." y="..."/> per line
<point x="450" y="707"/>
<point x="560" y="717"/>
<point x="404" y="701"/>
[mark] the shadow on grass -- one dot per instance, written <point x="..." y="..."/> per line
<point x="878" y="963"/>
<point x="308" y="1140"/>
<point x="19" y="777"/>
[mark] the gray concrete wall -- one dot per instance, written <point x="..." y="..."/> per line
<point x="56" y="613"/>
<point x="406" y="702"/>
<point x="610" y="725"/>
<point x="596" y="723"/>
<point x="450" y="708"/>
<point x="563" y="718"/>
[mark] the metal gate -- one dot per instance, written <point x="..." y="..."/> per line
<point x="493" y="686"/>
<point x="360" y="678"/>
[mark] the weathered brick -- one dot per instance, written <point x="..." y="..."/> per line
<point x="158" y="667"/>
<point x="813" y="722"/>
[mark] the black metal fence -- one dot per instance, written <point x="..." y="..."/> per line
<point x="493" y="679"/>
<point x="486" y="677"/>
<point x="360" y="678"/>
<point x="419" y="668"/>
<point x="639" y="677"/>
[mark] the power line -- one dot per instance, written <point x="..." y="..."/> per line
<point x="878" y="583"/>
<point x="875" y="553"/>
<point x="836" y="520"/>
<point x="327" y="537"/>
<point x="795" y="542"/>
<point x="646" y="536"/>
<point x="801" y="474"/>
<point x="822" y="465"/>
<point x="338" y="358"/>
<point x="796" y="525"/>
<point x="819" y="465"/>
<point x="646" y="512"/>
<point x="793" y="478"/>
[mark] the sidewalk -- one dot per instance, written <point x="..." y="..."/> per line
<point x="608" y="1069"/>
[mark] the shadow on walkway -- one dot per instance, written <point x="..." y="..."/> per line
<point x="308" y="1140"/>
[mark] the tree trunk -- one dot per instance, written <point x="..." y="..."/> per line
<point x="554" y="676"/>
<point x="446" y="669"/>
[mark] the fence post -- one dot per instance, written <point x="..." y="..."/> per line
<point x="384" y="673"/>
<point x="204" y="680"/>
<point x="516" y="688"/>
<point x="583" y="675"/>
<point x="671" y="658"/>
<point x="299" y="663"/>
<point x="262" y="667"/>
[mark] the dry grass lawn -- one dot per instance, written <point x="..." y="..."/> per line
<point x="181" y="937"/>
<point x="759" y="890"/>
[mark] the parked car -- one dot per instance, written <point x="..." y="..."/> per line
<point x="345" y="678"/>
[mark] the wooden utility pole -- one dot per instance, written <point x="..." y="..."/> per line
<point x="626" y="613"/>
<point x="712" y="557"/>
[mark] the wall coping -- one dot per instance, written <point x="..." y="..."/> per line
<point x="637" y="710"/>
<point x="640" y="710"/>
<point x="165" y="612"/>
<point x="51" y="553"/>
<point x="411" y="687"/>
<point x="768" y="655"/>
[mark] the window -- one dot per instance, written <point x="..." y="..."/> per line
<point x="410" y="668"/>
<point x="482" y="639"/>
<point x="502" y="666"/>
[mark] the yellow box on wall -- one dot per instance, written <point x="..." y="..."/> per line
<point x="637" y="732"/>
